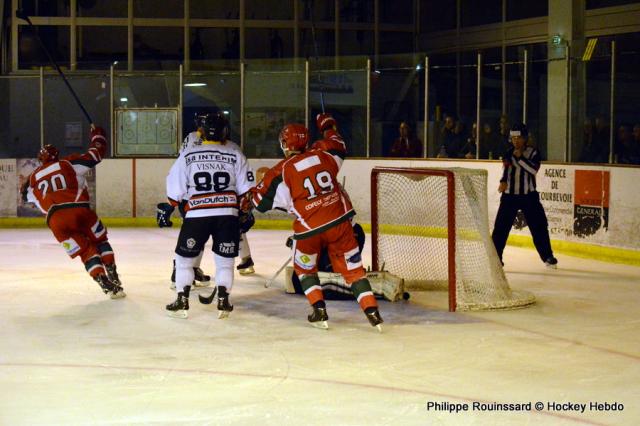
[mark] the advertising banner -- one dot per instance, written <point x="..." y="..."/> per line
<point x="8" y="185"/>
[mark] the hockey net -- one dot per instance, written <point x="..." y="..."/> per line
<point x="431" y="228"/>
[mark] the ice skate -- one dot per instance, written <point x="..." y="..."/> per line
<point x="179" y="308"/>
<point x="201" y="280"/>
<point x="373" y="315"/>
<point x="319" y="318"/>
<point x="224" y="307"/>
<point x="109" y="288"/>
<point x="112" y="273"/>
<point x="551" y="263"/>
<point x="246" y="266"/>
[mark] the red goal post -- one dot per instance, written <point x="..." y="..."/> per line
<point x="430" y="227"/>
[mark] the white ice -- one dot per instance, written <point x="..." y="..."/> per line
<point x="69" y="355"/>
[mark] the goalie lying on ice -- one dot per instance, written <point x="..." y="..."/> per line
<point x="384" y="284"/>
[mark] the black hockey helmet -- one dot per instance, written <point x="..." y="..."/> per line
<point x="215" y="127"/>
<point x="519" y="129"/>
<point x="198" y="119"/>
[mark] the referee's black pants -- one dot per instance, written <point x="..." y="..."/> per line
<point x="536" y="220"/>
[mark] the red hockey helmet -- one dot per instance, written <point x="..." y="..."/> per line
<point x="48" y="154"/>
<point x="293" y="138"/>
<point x="325" y="121"/>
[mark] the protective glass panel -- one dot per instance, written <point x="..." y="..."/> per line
<point x="19" y="128"/>
<point x="205" y="93"/>
<point x="67" y="128"/>
<point x="344" y="94"/>
<point x="397" y="97"/>
<point x="272" y="99"/>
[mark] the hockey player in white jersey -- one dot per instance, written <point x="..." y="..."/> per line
<point x="210" y="177"/>
<point x="245" y="267"/>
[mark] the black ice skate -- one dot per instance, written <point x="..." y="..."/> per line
<point x="113" y="274"/>
<point x="201" y="277"/>
<point x="246" y="266"/>
<point x="179" y="308"/>
<point x="373" y="315"/>
<point x="319" y="318"/>
<point x="224" y="307"/>
<point x="108" y="287"/>
<point x="551" y="263"/>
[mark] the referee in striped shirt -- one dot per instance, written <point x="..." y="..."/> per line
<point x="518" y="188"/>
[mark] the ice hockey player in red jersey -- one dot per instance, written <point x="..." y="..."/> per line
<point x="305" y="184"/>
<point x="58" y="187"/>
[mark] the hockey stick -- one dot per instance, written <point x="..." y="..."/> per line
<point x="21" y="15"/>
<point x="309" y="4"/>
<point x="268" y="283"/>
<point x="208" y="299"/>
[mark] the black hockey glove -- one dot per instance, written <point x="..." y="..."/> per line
<point x="289" y="242"/>
<point x="163" y="215"/>
<point x="246" y="221"/>
<point x="181" y="208"/>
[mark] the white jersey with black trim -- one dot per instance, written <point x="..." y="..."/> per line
<point x="209" y="176"/>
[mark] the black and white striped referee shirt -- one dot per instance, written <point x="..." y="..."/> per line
<point x="520" y="173"/>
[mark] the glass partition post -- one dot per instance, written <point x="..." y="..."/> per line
<point x="306" y="93"/>
<point x="243" y="75"/>
<point x="612" y="86"/>
<point x="478" y="100"/>
<point x="41" y="104"/>
<point x="368" y="128"/>
<point x="524" y="86"/>
<point x="425" y="128"/>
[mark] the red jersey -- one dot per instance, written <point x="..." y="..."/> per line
<point x="306" y="185"/>
<point x="62" y="183"/>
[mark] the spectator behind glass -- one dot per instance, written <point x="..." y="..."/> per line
<point x="625" y="149"/>
<point x="468" y="150"/>
<point x="406" y="145"/>
<point x="491" y="146"/>
<point x="635" y="150"/>
<point x="600" y="140"/>
<point x="449" y="147"/>
<point x="504" y="127"/>
<point x="587" y="154"/>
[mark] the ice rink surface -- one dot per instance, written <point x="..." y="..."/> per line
<point x="71" y="356"/>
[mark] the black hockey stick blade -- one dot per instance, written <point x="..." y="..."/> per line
<point x="206" y="300"/>
<point x="20" y="14"/>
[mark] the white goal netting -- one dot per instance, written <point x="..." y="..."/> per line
<point x="411" y="220"/>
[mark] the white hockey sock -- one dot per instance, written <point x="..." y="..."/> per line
<point x="184" y="272"/>
<point x="243" y="250"/>
<point x="224" y="271"/>
<point x="198" y="259"/>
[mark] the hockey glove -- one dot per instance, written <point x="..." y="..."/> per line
<point x="246" y="221"/>
<point x="163" y="215"/>
<point x="182" y="208"/>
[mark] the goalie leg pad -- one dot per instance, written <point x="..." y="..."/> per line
<point x="387" y="285"/>
<point x="184" y="272"/>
